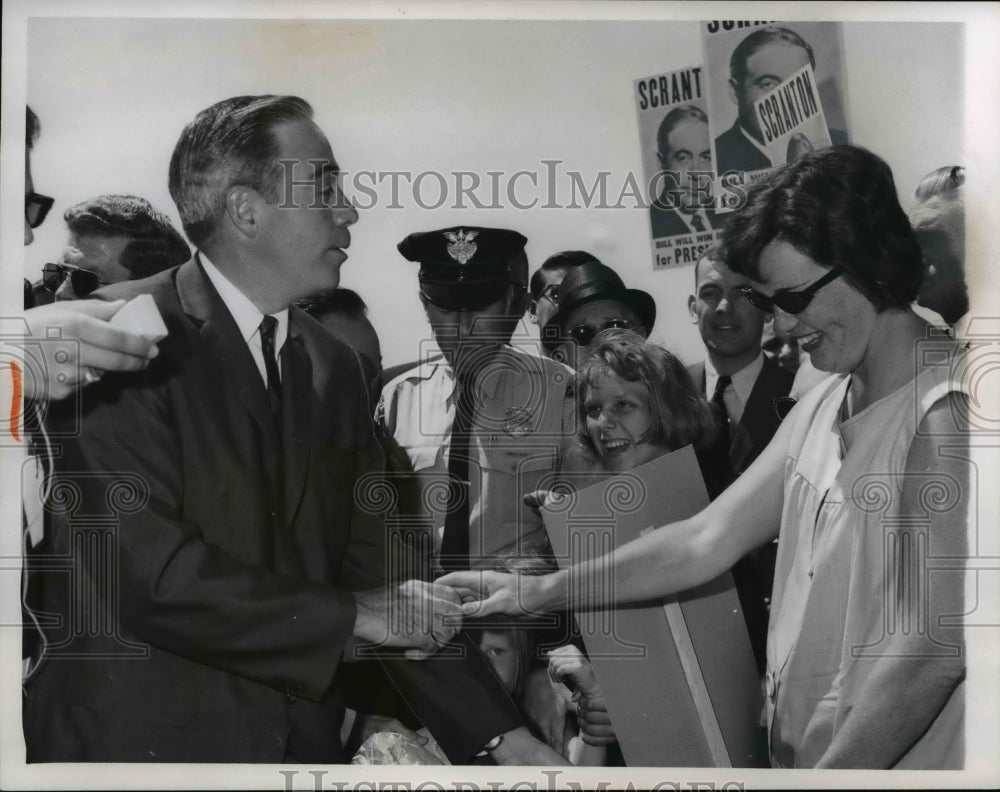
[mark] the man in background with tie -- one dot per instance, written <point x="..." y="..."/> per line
<point x="215" y="549"/>
<point x="749" y="395"/>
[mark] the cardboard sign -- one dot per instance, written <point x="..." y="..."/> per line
<point x="678" y="675"/>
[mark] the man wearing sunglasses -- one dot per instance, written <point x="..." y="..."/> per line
<point x="748" y="393"/>
<point x="112" y="238"/>
<point x="87" y="342"/>
<point x="592" y="297"/>
<point x="545" y="281"/>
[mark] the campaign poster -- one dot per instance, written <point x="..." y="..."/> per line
<point x="675" y="139"/>
<point x="743" y="62"/>
<point x="791" y="118"/>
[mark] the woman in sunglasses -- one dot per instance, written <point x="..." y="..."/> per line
<point x="865" y="653"/>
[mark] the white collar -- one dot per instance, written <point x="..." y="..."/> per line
<point x="743" y="380"/>
<point x="244" y="312"/>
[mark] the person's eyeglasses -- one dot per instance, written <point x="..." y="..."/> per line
<point x="792" y="302"/>
<point x="36" y="206"/>
<point x="551" y="293"/>
<point x="83" y="281"/>
<point x="583" y="334"/>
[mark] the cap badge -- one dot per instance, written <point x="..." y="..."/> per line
<point x="462" y="248"/>
<point x="517" y="422"/>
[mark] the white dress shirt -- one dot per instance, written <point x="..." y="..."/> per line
<point x="247" y="317"/>
<point x="739" y="390"/>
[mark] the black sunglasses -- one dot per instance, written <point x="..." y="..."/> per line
<point x="583" y="334"/>
<point x="36" y="206"/>
<point x="83" y="281"/>
<point x="792" y="302"/>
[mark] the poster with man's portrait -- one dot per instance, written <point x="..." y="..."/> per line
<point x="677" y="165"/>
<point x="744" y="62"/>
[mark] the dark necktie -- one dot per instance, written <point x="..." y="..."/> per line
<point x="455" y="541"/>
<point x="719" y="407"/>
<point x="267" y="327"/>
<point x="699" y="225"/>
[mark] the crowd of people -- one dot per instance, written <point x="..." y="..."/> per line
<point x="312" y="559"/>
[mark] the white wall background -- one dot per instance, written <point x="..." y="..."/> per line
<point x="113" y="94"/>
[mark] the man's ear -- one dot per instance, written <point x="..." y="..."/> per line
<point x="692" y="302"/>
<point x="734" y="96"/>
<point x="242" y="209"/>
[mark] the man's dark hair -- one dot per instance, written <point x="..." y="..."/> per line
<point x="558" y="261"/>
<point x="761" y="38"/>
<point x="342" y="302"/>
<point x="838" y="206"/>
<point x="672" y="119"/>
<point x="32" y="128"/>
<point x="230" y="143"/>
<point x="713" y="254"/>
<point x="154" y="244"/>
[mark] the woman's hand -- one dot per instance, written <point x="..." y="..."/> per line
<point x="485" y="592"/>
<point x="67" y="342"/>
<point x="537" y="499"/>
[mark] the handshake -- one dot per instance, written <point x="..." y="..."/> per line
<point x="418" y="616"/>
<point x="422" y="617"/>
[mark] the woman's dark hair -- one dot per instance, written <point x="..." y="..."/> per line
<point x="838" y="206"/>
<point x="680" y="415"/>
<point x="32" y="128"/>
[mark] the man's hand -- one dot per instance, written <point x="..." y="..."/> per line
<point x="415" y="614"/>
<point x="568" y="666"/>
<point x="65" y="339"/>
<point x="520" y="748"/>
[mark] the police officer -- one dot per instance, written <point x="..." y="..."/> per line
<point x="483" y="425"/>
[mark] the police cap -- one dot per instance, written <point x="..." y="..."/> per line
<point x="467" y="267"/>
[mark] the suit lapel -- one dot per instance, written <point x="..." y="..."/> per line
<point x="759" y="421"/>
<point x="296" y="400"/>
<point x="228" y="354"/>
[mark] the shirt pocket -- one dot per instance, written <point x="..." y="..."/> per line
<point x="508" y="473"/>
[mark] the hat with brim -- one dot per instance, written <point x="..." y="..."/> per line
<point x="586" y="283"/>
<point x="466" y="267"/>
<point x="470" y="295"/>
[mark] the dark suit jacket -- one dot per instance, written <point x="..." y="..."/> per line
<point x="733" y="152"/>
<point x="760" y="418"/>
<point x="202" y="601"/>
<point x="754" y="573"/>
<point x="668" y="222"/>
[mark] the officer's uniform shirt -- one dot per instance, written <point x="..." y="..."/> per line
<point x="524" y="409"/>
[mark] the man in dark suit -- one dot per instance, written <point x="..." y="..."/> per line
<point x="761" y="62"/>
<point x="684" y="204"/>
<point x="747" y="391"/>
<point x="217" y="548"/>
